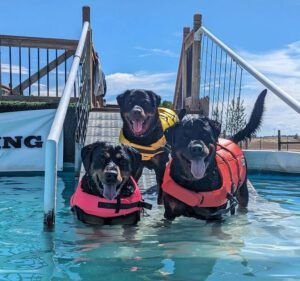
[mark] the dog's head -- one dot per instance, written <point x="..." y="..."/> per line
<point x="193" y="141"/>
<point x="139" y="110"/>
<point x="109" y="166"/>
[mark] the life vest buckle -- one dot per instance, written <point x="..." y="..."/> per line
<point x="232" y="203"/>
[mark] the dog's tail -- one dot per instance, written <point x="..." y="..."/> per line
<point x="254" y="121"/>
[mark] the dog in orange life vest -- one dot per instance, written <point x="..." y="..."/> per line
<point x="207" y="176"/>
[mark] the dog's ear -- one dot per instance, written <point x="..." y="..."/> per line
<point x="181" y="113"/>
<point x="156" y="98"/>
<point x="216" y="126"/>
<point x="86" y="154"/>
<point x="170" y="134"/>
<point x="135" y="158"/>
<point x="121" y="97"/>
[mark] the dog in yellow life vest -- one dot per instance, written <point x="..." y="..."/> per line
<point x="144" y="124"/>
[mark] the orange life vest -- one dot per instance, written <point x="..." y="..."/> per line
<point x="232" y="168"/>
<point x="103" y="208"/>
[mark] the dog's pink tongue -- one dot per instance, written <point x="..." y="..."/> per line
<point x="198" y="168"/>
<point x="137" y="127"/>
<point x="109" y="192"/>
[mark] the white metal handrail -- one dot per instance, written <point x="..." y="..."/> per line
<point x="51" y="157"/>
<point x="284" y="96"/>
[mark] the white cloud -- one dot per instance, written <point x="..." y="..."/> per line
<point x="156" y="52"/>
<point x="5" y="68"/>
<point x="161" y="83"/>
<point x="283" y="68"/>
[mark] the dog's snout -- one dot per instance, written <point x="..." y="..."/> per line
<point x="111" y="172"/>
<point x="111" y="176"/>
<point x="137" y="111"/>
<point x="196" y="149"/>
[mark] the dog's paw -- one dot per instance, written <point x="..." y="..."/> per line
<point x="169" y="217"/>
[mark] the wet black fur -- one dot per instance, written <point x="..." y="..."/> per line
<point x="149" y="101"/>
<point x="207" y="131"/>
<point x="92" y="156"/>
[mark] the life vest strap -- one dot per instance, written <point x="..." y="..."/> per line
<point x="140" y="204"/>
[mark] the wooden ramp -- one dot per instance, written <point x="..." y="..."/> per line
<point x="105" y="126"/>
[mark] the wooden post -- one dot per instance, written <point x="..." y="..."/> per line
<point x="86" y="16"/>
<point x="196" y="65"/>
<point x="279" y="140"/>
<point x="186" y="31"/>
<point x="260" y="146"/>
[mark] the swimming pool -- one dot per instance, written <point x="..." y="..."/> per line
<point x="263" y="244"/>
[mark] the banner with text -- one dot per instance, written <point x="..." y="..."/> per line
<point x="23" y="136"/>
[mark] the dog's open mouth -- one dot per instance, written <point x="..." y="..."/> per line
<point x="139" y="127"/>
<point x="198" y="168"/>
<point x="110" y="191"/>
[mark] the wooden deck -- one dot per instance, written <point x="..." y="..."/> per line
<point x="105" y="126"/>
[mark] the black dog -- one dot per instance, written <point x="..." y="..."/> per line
<point x="108" y="170"/>
<point x="143" y="129"/>
<point x="194" y="143"/>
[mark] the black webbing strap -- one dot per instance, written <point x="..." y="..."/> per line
<point x="119" y="206"/>
<point x="145" y="205"/>
<point x="231" y="208"/>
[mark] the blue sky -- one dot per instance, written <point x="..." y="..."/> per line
<point x="139" y="41"/>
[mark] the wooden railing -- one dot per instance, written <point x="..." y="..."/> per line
<point x="188" y="76"/>
<point x="213" y="80"/>
<point x="39" y="67"/>
<point x="34" y="66"/>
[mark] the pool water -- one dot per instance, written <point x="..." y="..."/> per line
<point x="263" y="244"/>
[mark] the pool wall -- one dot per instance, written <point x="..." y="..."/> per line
<point x="276" y="161"/>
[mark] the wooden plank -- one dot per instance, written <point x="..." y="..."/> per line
<point x="86" y="14"/>
<point x="42" y="72"/>
<point x="106" y="109"/>
<point x="38" y="42"/>
<point x="186" y="32"/>
<point x="189" y="39"/>
<point x="196" y="65"/>
<point x="34" y="99"/>
<point x="178" y="95"/>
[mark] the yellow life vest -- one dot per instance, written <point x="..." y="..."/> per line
<point x="168" y="118"/>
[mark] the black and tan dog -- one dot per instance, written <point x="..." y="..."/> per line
<point x="144" y="124"/>
<point x="207" y="172"/>
<point x="108" y="175"/>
